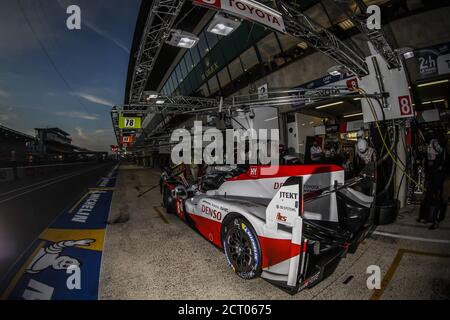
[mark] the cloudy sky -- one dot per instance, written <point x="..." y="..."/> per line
<point x="51" y="76"/>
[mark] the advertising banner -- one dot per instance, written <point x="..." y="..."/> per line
<point x="64" y="262"/>
<point x="326" y="86"/>
<point x="129" y="139"/>
<point x="434" y="61"/>
<point x="248" y="9"/>
<point x="132" y="123"/>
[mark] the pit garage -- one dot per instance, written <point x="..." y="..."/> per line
<point x="272" y="150"/>
<point x="361" y="111"/>
<point x="151" y="255"/>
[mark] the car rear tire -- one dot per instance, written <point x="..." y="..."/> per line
<point x="168" y="201"/>
<point x="242" y="248"/>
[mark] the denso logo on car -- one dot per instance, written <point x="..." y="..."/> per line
<point x="215" y="214"/>
<point x="278" y="185"/>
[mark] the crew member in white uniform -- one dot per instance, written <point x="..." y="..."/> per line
<point x="316" y="152"/>
<point x="365" y="153"/>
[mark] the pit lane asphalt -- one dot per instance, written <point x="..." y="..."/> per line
<point x="29" y="205"/>
<point x="149" y="254"/>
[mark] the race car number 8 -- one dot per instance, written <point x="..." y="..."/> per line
<point x="405" y="105"/>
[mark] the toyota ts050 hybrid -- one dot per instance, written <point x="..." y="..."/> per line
<point x="290" y="228"/>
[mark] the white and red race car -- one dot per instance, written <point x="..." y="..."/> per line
<point x="290" y="228"/>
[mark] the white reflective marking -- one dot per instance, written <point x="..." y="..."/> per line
<point x="399" y="236"/>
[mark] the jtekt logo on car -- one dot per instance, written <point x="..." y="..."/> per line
<point x="288" y="195"/>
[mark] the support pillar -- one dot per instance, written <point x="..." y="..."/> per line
<point x="401" y="182"/>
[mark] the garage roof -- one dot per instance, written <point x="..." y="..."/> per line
<point x="187" y="21"/>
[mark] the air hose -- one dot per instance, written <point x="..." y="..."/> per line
<point x="396" y="162"/>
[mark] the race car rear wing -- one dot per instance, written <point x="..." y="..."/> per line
<point x="287" y="209"/>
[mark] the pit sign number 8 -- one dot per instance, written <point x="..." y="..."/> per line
<point x="405" y="105"/>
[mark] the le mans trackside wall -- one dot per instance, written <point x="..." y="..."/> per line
<point x="64" y="262"/>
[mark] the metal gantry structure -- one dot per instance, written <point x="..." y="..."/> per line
<point x="164" y="105"/>
<point x="299" y="25"/>
<point x="376" y="36"/>
<point x="160" y="21"/>
<point x="116" y="111"/>
<point x="170" y="106"/>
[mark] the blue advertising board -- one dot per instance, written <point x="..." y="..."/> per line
<point x="325" y="86"/>
<point x="434" y="61"/>
<point x="64" y="262"/>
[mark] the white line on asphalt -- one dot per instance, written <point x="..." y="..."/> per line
<point x="46" y="185"/>
<point x="399" y="236"/>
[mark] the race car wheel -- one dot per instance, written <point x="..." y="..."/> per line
<point x="168" y="201"/>
<point x="242" y="249"/>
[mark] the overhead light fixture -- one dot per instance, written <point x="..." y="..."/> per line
<point x="433" y="101"/>
<point x="187" y="42"/>
<point x="302" y="45"/>
<point x="407" y="53"/>
<point x="160" y="101"/>
<point x="221" y="29"/>
<point x="357" y="99"/>
<point x="431" y="83"/>
<point x="336" y="70"/>
<point x="222" y="25"/>
<point x="330" y="105"/>
<point x="354" y="115"/>
<point x="139" y="70"/>
<point x="182" y="39"/>
<point x="271" y="119"/>
<point x="335" y="73"/>
<point x="149" y="95"/>
<point x="346" y="24"/>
